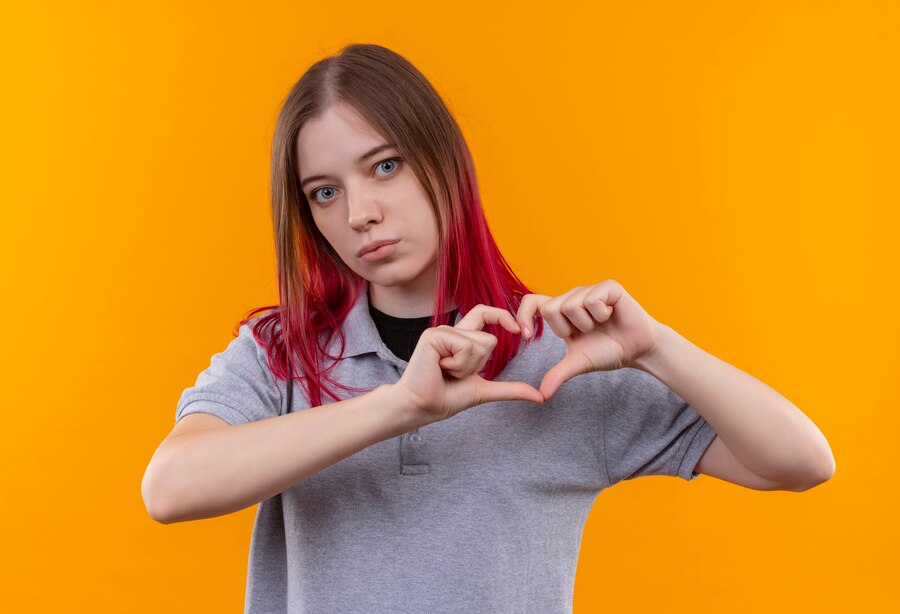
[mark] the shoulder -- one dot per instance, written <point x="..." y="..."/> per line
<point x="255" y="344"/>
<point x="259" y="331"/>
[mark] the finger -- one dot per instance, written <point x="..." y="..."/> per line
<point x="473" y="349"/>
<point x="570" y="366"/>
<point x="481" y="363"/>
<point x="480" y="315"/>
<point x="464" y="363"/>
<point x="528" y="307"/>
<point x="598" y="309"/>
<point x="481" y="337"/>
<point x="487" y="391"/>
<point x="575" y="310"/>
<point x="550" y="383"/>
<point x="558" y="323"/>
<point x="445" y="342"/>
<point x="452" y="366"/>
<point x="609" y="291"/>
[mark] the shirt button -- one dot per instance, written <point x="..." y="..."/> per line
<point x="415" y="438"/>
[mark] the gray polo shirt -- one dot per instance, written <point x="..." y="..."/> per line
<point x="482" y="512"/>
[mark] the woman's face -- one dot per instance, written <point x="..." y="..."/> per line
<point x="359" y="191"/>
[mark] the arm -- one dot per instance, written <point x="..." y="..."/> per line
<point x="759" y="431"/>
<point x="217" y="471"/>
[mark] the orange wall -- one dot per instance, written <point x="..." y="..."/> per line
<point x="733" y="164"/>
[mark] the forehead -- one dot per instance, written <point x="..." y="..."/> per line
<point x="336" y="137"/>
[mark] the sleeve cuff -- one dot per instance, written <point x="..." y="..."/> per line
<point x="703" y="436"/>
<point x="205" y="404"/>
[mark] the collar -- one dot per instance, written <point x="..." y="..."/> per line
<point x="360" y="333"/>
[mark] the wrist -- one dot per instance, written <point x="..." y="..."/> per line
<point x="650" y="360"/>
<point x="411" y="414"/>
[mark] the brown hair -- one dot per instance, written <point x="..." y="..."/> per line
<point x="316" y="289"/>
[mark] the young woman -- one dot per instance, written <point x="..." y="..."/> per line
<point x="342" y="411"/>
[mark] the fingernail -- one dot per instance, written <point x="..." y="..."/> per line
<point x="527" y="332"/>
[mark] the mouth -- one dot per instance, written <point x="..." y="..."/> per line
<point x="382" y="250"/>
<point x="368" y="247"/>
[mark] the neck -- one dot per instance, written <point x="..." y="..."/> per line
<point x="401" y="303"/>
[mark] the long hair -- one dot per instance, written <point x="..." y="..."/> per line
<point x="316" y="289"/>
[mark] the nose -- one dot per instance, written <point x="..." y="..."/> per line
<point x="362" y="208"/>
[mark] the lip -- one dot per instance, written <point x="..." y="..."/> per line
<point x="369" y="247"/>
<point x="379" y="253"/>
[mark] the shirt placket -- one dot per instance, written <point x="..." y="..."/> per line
<point x="413" y="446"/>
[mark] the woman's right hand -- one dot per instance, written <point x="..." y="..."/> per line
<point x="441" y="378"/>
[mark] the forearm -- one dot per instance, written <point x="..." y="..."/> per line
<point x="216" y="472"/>
<point x="765" y="432"/>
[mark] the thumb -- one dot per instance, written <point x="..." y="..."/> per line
<point x="556" y="376"/>
<point x="487" y="391"/>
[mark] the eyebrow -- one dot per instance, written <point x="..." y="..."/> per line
<point x="362" y="158"/>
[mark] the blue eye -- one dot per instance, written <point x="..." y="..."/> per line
<point x="325" y="189"/>
<point x="328" y="192"/>
<point x="392" y="161"/>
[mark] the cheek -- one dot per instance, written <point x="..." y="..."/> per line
<point x="327" y="231"/>
<point x="333" y="244"/>
<point x="424" y="228"/>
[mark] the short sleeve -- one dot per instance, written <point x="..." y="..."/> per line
<point x="237" y="386"/>
<point x="649" y="430"/>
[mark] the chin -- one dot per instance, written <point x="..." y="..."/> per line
<point x="392" y="278"/>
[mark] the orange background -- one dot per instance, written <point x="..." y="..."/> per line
<point x="733" y="164"/>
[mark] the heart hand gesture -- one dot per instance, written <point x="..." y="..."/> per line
<point x="442" y="377"/>
<point x="603" y="326"/>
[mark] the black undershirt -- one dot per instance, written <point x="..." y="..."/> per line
<point x="402" y="334"/>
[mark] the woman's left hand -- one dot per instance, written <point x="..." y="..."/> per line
<point x="603" y="326"/>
